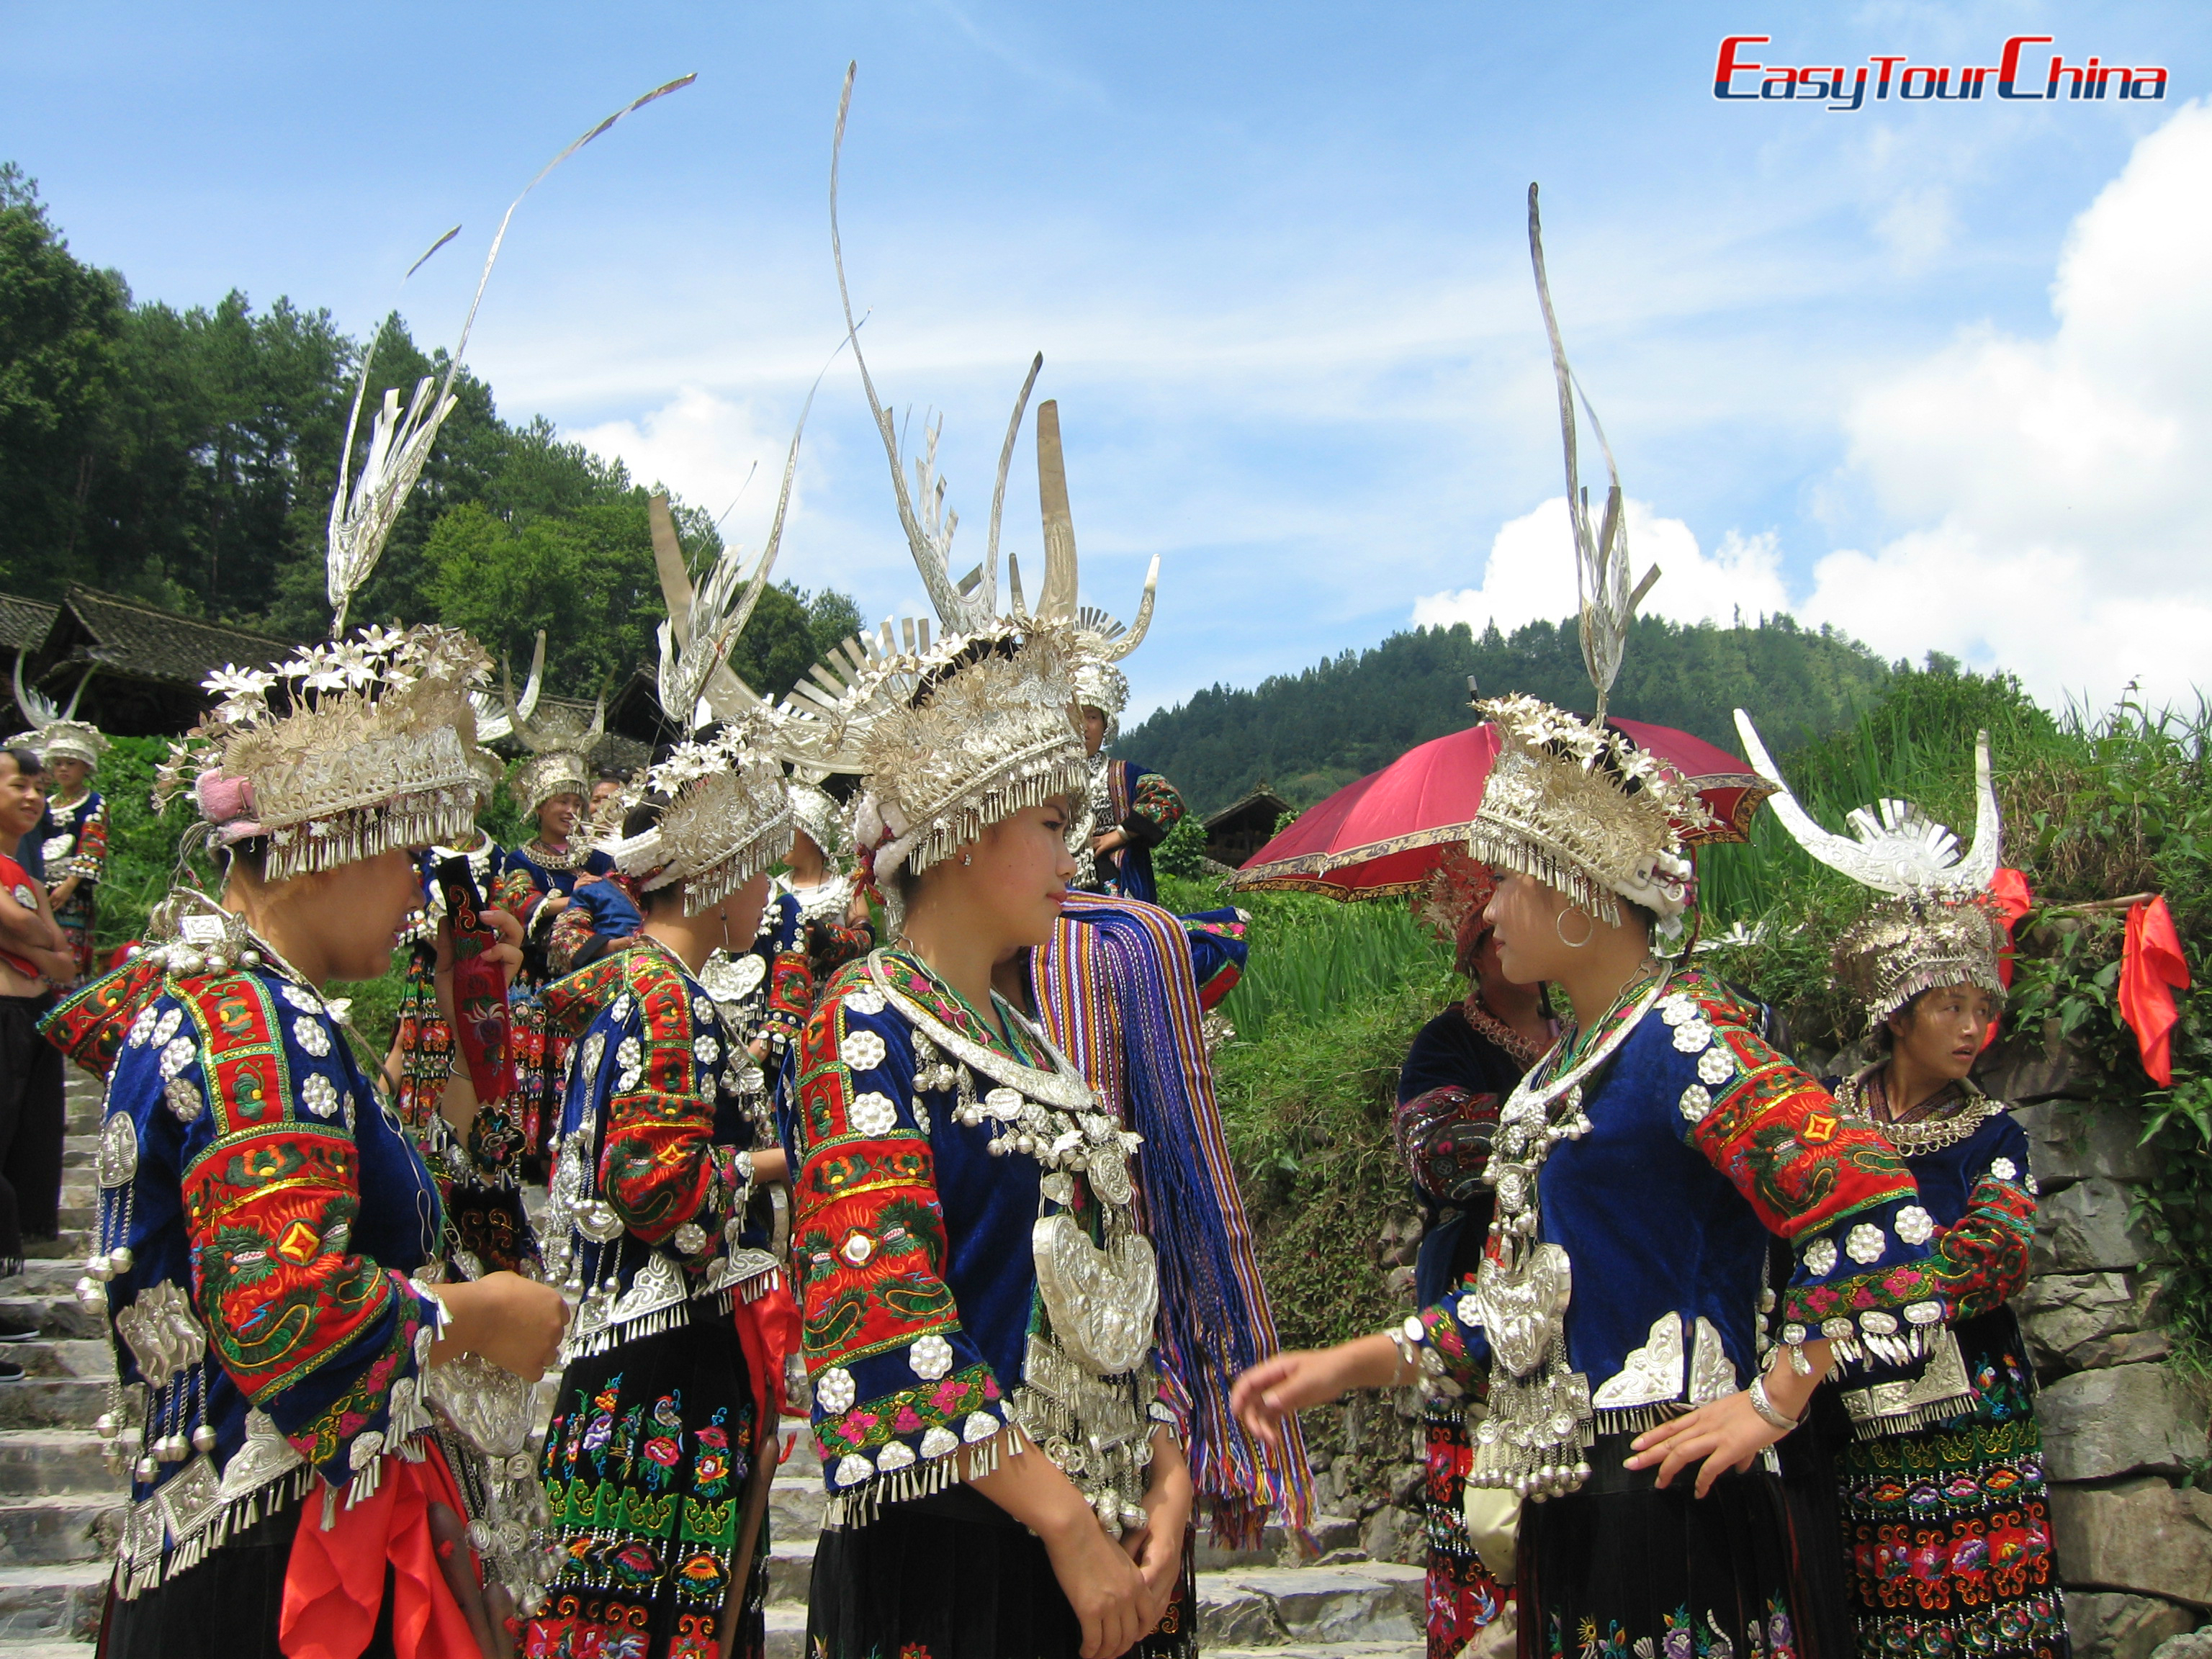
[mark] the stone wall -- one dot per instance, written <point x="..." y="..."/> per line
<point x="2123" y="1425"/>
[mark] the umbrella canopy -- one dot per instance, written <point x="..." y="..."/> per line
<point x="1386" y="833"/>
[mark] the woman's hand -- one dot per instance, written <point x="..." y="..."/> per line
<point x="770" y="1167"/>
<point x="1300" y="1377"/>
<point x="758" y="1049"/>
<point x="59" y="895"/>
<point x="515" y="1322"/>
<point x="506" y="953"/>
<point x="1109" y="841"/>
<point x="1157" y="1546"/>
<point x="1726" y="1434"/>
<point x="1106" y="1588"/>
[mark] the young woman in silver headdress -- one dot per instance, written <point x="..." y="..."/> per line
<point x="1613" y="1326"/>
<point x="1946" y="1540"/>
<point x="270" y="1236"/>
<point x="1004" y="1470"/>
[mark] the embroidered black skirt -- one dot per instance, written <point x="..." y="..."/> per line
<point x="954" y="1576"/>
<point x="645" y="1468"/>
<point x="1621" y="1570"/>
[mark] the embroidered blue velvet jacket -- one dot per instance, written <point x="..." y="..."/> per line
<point x="1703" y="1142"/>
<point x="649" y="1186"/>
<point x="262" y="1185"/>
<point x="911" y="1246"/>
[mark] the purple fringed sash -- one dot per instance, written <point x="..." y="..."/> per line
<point x="1117" y="993"/>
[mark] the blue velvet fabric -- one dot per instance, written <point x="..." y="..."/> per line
<point x="1692" y="1119"/>
<point x="613" y="913"/>
<point x="397" y="1226"/>
<point x="1447" y="1053"/>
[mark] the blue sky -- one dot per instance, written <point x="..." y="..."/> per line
<point x="1938" y="373"/>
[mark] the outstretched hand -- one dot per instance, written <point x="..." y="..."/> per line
<point x="1299" y="1377"/>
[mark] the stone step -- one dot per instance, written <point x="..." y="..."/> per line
<point x="46" y="1276"/>
<point x="72" y="1247"/>
<point x="795" y="1504"/>
<point x="56" y="1528"/>
<point x="60" y="1316"/>
<point x="54" y="1460"/>
<point x="51" y="1402"/>
<point x="790" y="1570"/>
<point x="70" y="1358"/>
<point x="1332" y="1534"/>
<point x="786" y="1633"/>
<point x="58" y="1603"/>
<point x="1371" y="1602"/>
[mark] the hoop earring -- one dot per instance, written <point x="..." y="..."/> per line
<point x="1574" y="944"/>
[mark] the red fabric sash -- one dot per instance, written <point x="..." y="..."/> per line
<point x="2152" y="969"/>
<point x="334" y="1585"/>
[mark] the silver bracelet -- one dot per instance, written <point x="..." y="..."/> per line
<point x="1765" y="1406"/>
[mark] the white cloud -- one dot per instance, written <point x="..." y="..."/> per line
<point x="2055" y="488"/>
<point x="1530" y="574"/>
<point x="702" y="446"/>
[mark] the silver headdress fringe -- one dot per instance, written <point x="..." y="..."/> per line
<point x="561" y="745"/>
<point x="1559" y="805"/>
<point x="1933" y="923"/>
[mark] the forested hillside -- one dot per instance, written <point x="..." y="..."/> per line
<point x="1314" y="732"/>
<point x="187" y="457"/>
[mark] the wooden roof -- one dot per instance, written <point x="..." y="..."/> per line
<point x="24" y="623"/>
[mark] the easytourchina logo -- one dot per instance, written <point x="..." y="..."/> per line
<point x="2024" y="72"/>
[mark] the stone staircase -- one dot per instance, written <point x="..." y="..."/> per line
<point x="60" y="1508"/>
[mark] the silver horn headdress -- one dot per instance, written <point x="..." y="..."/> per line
<point x="952" y="733"/>
<point x="56" y="733"/>
<point x="728" y="813"/>
<point x="1575" y="802"/>
<point x="1932" y="922"/>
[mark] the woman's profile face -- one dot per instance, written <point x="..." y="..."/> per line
<point x="1018" y="880"/>
<point x="1525" y="932"/>
<point x="358" y="910"/>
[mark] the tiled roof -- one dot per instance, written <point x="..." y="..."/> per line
<point x="159" y="645"/>
<point x="23" y="623"/>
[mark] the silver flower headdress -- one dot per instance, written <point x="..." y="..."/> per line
<point x="1933" y="922"/>
<point x="56" y="733"/>
<point x="953" y="735"/>
<point x="372" y="744"/>
<point x="1574" y="802"/>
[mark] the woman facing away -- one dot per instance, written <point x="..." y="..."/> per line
<point x="1939" y="1476"/>
<point x="268" y="1233"/>
<point x="1460" y="1069"/>
<point x="1613" y="1324"/>
<point x="1004" y="1463"/>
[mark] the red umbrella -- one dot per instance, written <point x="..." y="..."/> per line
<point x="1385" y="834"/>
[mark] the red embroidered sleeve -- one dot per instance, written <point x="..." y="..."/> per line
<point x="1982" y="1258"/>
<point x="659" y="1166"/>
<point x="790" y="994"/>
<point x="899" y="1385"/>
<point x="314" y="1334"/>
<point x="1837" y="1192"/>
<point x="89" y="859"/>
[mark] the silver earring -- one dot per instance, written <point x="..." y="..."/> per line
<point x="966" y="859"/>
<point x="1558" y="927"/>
